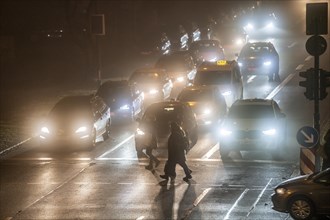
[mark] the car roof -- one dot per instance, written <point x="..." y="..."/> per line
<point x="255" y="101"/>
<point x="214" y="66"/>
<point x="149" y="70"/>
<point x="115" y="83"/>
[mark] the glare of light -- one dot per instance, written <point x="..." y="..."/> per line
<point x="226" y="93"/>
<point x="180" y="79"/>
<point x="239" y="42"/>
<point x="269" y="132"/>
<point x="249" y="27"/>
<point x="45" y="130"/>
<point x="81" y="129"/>
<point x="225" y="132"/>
<point x="267" y="63"/>
<point x="280" y="191"/>
<point x="139" y="131"/>
<point x="124" y="107"/>
<point x="240" y="64"/>
<point x="153" y="91"/>
<point x="208" y="122"/>
<point x="207" y="111"/>
<point x="270" y="25"/>
<point x="213" y="59"/>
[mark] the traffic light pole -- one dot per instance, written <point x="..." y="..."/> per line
<point x="317" y="108"/>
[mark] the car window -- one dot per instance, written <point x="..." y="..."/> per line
<point x="213" y="77"/>
<point x="251" y="111"/>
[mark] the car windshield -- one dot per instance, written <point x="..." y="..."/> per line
<point x="146" y="77"/>
<point x="195" y="95"/>
<point x="255" y="50"/>
<point x="251" y="111"/>
<point x="166" y="114"/>
<point x="204" y="46"/>
<point x="213" y="77"/>
<point x="172" y="63"/>
<point x="71" y="107"/>
<point x="114" y="91"/>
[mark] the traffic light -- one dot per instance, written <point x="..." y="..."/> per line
<point x="308" y="83"/>
<point x="324" y="83"/>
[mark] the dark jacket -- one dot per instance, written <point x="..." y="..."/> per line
<point x="177" y="144"/>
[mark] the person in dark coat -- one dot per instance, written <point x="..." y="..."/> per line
<point x="326" y="151"/>
<point x="177" y="145"/>
<point x="150" y="128"/>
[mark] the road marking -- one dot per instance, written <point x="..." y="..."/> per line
<point x="116" y="147"/>
<point x="250" y="79"/>
<point x="292" y="45"/>
<point x="279" y="87"/>
<point x="308" y="58"/>
<point x="16" y="145"/>
<point x="300" y="66"/>
<point x="211" y="151"/>
<point x="258" y="198"/>
<point x="235" y="204"/>
<point x="201" y="196"/>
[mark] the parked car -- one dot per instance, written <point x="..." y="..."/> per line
<point x="207" y="103"/>
<point x="259" y="58"/>
<point x="76" y="121"/>
<point x="159" y="115"/>
<point x="207" y="50"/>
<point x="304" y="197"/>
<point x="224" y="74"/>
<point x="253" y="125"/>
<point x="179" y="66"/>
<point x="124" y="99"/>
<point x="154" y="82"/>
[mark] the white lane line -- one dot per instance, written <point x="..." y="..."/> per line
<point x="235" y="204"/>
<point x="258" y="198"/>
<point x="250" y="79"/>
<point x="292" y="45"/>
<point x="300" y="66"/>
<point x="308" y="58"/>
<point x="16" y="145"/>
<point x="201" y="196"/>
<point x="279" y="87"/>
<point x="211" y="151"/>
<point x="116" y="147"/>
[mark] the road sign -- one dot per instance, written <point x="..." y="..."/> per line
<point x="307" y="136"/>
<point x="316" y="45"/>
<point x="317" y="18"/>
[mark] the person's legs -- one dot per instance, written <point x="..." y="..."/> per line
<point x="186" y="170"/>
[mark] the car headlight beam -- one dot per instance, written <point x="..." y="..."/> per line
<point x="139" y="131"/>
<point x="153" y="91"/>
<point x="267" y="63"/>
<point x="225" y="132"/>
<point x="269" y="132"/>
<point x="124" y="107"/>
<point x="45" y="130"/>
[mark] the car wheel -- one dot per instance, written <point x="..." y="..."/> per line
<point x="224" y="152"/>
<point x="301" y="208"/>
<point x="106" y="135"/>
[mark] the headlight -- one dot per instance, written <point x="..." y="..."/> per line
<point x="81" y="129"/>
<point x="225" y="132"/>
<point x="124" y="107"/>
<point x="240" y="64"/>
<point x="207" y="111"/>
<point x="267" y="63"/>
<point x="249" y="27"/>
<point x="226" y="93"/>
<point x="139" y="131"/>
<point x="180" y="79"/>
<point x="280" y="191"/>
<point x="269" y="132"/>
<point x="153" y="91"/>
<point x="213" y="59"/>
<point x="239" y="42"/>
<point x="44" y="130"/>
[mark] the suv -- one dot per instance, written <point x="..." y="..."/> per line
<point x="206" y="50"/>
<point x="224" y="74"/>
<point x="253" y="124"/>
<point x="124" y="99"/>
<point x="259" y="58"/>
<point x="159" y="115"/>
